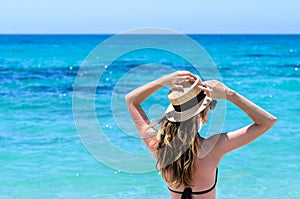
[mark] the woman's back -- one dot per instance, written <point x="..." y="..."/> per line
<point x="204" y="174"/>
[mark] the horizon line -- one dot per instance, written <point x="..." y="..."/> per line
<point x="191" y="33"/>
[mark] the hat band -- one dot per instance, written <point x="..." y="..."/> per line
<point x="189" y="104"/>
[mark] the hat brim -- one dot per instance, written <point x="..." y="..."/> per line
<point x="175" y="116"/>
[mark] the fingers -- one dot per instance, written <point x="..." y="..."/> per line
<point x="190" y="79"/>
<point x="208" y="94"/>
<point x="183" y="75"/>
<point x="178" y="87"/>
<point x="186" y="73"/>
<point x="206" y="90"/>
<point x="185" y="78"/>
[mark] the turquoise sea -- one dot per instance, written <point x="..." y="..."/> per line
<point x="41" y="153"/>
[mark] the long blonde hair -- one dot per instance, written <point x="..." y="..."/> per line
<point x="178" y="146"/>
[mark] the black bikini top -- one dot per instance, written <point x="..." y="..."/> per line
<point x="187" y="193"/>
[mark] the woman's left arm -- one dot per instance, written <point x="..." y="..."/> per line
<point x="137" y="96"/>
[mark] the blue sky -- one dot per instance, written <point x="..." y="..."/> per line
<point x="113" y="16"/>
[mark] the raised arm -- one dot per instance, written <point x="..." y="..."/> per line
<point x="137" y="96"/>
<point x="263" y="120"/>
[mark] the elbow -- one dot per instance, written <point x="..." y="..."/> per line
<point x="271" y="121"/>
<point x="274" y="120"/>
<point x="129" y="98"/>
<point x="267" y="123"/>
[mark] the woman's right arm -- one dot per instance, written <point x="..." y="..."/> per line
<point x="263" y="120"/>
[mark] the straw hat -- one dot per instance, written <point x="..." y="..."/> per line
<point x="186" y="103"/>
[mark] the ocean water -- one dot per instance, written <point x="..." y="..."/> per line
<point x="41" y="152"/>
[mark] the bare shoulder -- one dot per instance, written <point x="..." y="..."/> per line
<point x="226" y="142"/>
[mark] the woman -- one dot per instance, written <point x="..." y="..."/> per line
<point x="188" y="168"/>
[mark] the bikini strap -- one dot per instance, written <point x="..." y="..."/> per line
<point x="186" y="194"/>
<point x="208" y="190"/>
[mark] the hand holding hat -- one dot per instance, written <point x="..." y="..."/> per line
<point x="178" y="79"/>
<point x="187" y="100"/>
<point x="214" y="89"/>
